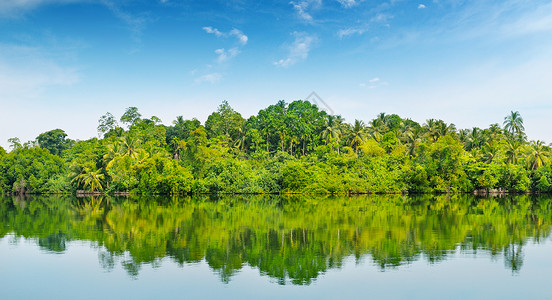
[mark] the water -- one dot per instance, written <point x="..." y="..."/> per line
<point x="270" y="247"/>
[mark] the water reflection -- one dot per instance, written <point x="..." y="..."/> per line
<point x="291" y="239"/>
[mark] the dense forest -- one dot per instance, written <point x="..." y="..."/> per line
<point x="286" y="148"/>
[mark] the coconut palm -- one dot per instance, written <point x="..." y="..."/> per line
<point x="90" y="179"/>
<point x="491" y="151"/>
<point x="512" y="151"/>
<point x="332" y="130"/>
<point x="432" y="130"/>
<point x="377" y="128"/>
<point x="513" y="123"/>
<point x="129" y="145"/>
<point x="476" y="139"/>
<point x="494" y="131"/>
<point x="179" y="121"/>
<point x="411" y="141"/>
<point x="358" y="133"/>
<point x="178" y="146"/>
<point x="538" y="155"/>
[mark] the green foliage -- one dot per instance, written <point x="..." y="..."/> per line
<point x="131" y="116"/>
<point x="225" y="122"/>
<point x="30" y="170"/>
<point x="54" y="141"/>
<point x="286" y="148"/>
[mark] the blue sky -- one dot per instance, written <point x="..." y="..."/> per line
<point x="64" y="63"/>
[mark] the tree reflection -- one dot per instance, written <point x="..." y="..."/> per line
<point x="291" y="239"/>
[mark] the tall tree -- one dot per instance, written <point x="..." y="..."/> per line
<point x="54" y="141"/>
<point x="538" y="155"/>
<point x="358" y="133"/>
<point x="513" y="123"/>
<point x="332" y="130"/>
<point x="131" y="116"/>
<point x="224" y="122"/>
<point x="107" y="123"/>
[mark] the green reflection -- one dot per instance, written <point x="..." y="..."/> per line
<point x="291" y="239"/>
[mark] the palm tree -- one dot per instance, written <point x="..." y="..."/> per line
<point x="178" y="147"/>
<point x="90" y="179"/>
<point x="512" y="151"/>
<point x="432" y="129"/>
<point x="411" y="140"/>
<point x="129" y="144"/>
<point x="513" y="123"/>
<point x="377" y="128"/>
<point x="332" y="130"/>
<point x="476" y="139"/>
<point x="358" y="132"/>
<point x="179" y="121"/>
<point x="241" y="137"/>
<point x="495" y="131"/>
<point x="490" y="151"/>
<point x="463" y="136"/>
<point x="113" y="150"/>
<point x="538" y="155"/>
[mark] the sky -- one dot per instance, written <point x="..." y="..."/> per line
<point x="65" y="63"/>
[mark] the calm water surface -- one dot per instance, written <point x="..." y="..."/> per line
<point x="261" y="247"/>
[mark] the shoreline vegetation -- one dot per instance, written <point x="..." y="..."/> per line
<point x="287" y="148"/>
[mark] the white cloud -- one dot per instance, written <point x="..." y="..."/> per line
<point x="348" y="3"/>
<point x="301" y="8"/>
<point x="298" y="50"/>
<point x="224" y="55"/>
<point x="381" y="18"/>
<point x="212" y="30"/>
<point x="373" y="83"/>
<point x="242" y="38"/>
<point x="421" y="6"/>
<point x="350" y="31"/>
<point x="209" y="78"/>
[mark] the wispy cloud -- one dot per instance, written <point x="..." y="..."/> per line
<point x="14" y="8"/>
<point x="348" y="3"/>
<point x="298" y="50"/>
<point x="209" y="78"/>
<point x="381" y="18"/>
<point x="136" y="24"/>
<point x="224" y="55"/>
<point x="342" y="33"/>
<point x="25" y="71"/>
<point x="534" y="21"/>
<point x="238" y="34"/>
<point x="242" y="38"/>
<point x="212" y="30"/>
<point x="373" y="83"/>
<point x="302" y="8"/>
<point x="421" y="6"/>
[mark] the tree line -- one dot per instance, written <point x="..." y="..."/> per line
<point x="285" y="148"/>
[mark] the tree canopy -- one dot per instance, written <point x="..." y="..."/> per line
<point x="285" y="148"/>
